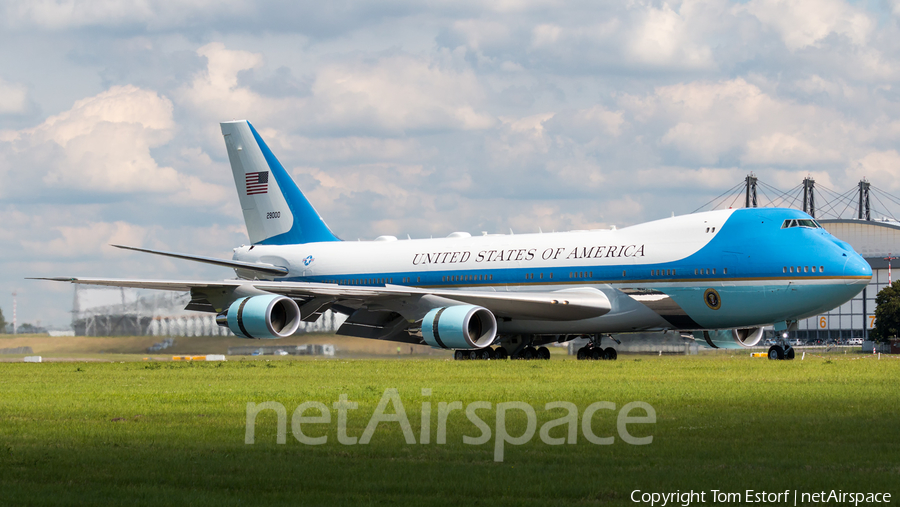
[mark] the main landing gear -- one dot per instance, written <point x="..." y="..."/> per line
<point x="487" y="353"/>
<point x="594" y="350"/>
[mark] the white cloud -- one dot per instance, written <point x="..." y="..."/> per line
<point x="400" y="93"/>
<point x="666" y="177"/>
<point x="389" y="94"/>
<point x="478" y="32"/>
<point x="87" y="239"/>
<point x="102" y="144"/>
<point x="804" y="23"/>
<point x="520" y="138"/>
<point x="551" y="217"/>
<point x="590" y="123"/>
<point x="215" y="94"/>
<point x="879" y="167"/>
<point x="349" y="149"/>
<point x="545" y="34"/>
<point x="59" y="14"/>
<point x="784" y="148"/>
<point x="13" y="98"/>
<point x="711" y="120"/>
<point x="663" y="37"/>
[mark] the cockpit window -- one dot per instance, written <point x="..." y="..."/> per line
<point x="800" y="222"/>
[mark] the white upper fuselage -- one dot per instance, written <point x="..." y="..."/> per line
<point x="431" y="260"/>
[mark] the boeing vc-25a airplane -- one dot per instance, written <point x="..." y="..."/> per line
<point x="720" y="275"/>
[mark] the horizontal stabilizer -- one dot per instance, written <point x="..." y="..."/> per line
<point x="268" y="269"/>
<point x="173" y="285"/>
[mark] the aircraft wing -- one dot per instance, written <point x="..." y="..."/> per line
<point x="411" y="302"/>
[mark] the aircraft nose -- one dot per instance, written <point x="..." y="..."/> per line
<point x="856" y="266"/>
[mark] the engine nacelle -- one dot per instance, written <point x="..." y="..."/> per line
<point x="729" y="338"/>
<point x="269" y="316"/>
<point x="459" y="327"/>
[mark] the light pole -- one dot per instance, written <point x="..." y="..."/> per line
<point x="14" y="312"/>
<point x="889" y="259"/>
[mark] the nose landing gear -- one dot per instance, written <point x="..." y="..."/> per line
<point x="781" y="351"/>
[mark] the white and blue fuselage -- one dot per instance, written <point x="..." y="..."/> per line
<point x="765" y="265"/>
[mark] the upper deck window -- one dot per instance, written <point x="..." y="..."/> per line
<point x="800" y="222"/>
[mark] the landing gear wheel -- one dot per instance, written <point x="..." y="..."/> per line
<point x="596" y="353"/>
<point x="789" y="353"/>
<point x="501" y="353"/>
<point x="528" y="353"/>
<point x="543" y="353"/>
<point x="582" y="354"/>
<point x="458" y="355"/>
<point x="776" y="352"/>
<point x="610" y="353"/>
<point x="473" y="354"/>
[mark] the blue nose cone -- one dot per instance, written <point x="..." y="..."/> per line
<point x="856" y="266"/>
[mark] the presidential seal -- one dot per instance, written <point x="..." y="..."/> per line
<point x="712" y="299"/>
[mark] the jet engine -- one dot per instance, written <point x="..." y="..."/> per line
<point x="729" y="338"/>
<point x="269" y="316"/>
<point x="459" y="327"/>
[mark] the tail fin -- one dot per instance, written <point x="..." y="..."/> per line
<point x="275" y="211"/>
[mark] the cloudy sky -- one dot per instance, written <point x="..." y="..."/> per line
<point x="417" y="117"/>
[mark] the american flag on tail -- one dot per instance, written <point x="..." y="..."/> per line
<point x="257" y="183"/>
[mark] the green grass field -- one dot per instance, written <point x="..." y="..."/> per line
<point x="140" y="433"/>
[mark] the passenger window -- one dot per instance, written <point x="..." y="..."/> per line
<point x="714" y="270"/>
<point x="724" y="271"/>
<point x="792" y="269"/>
